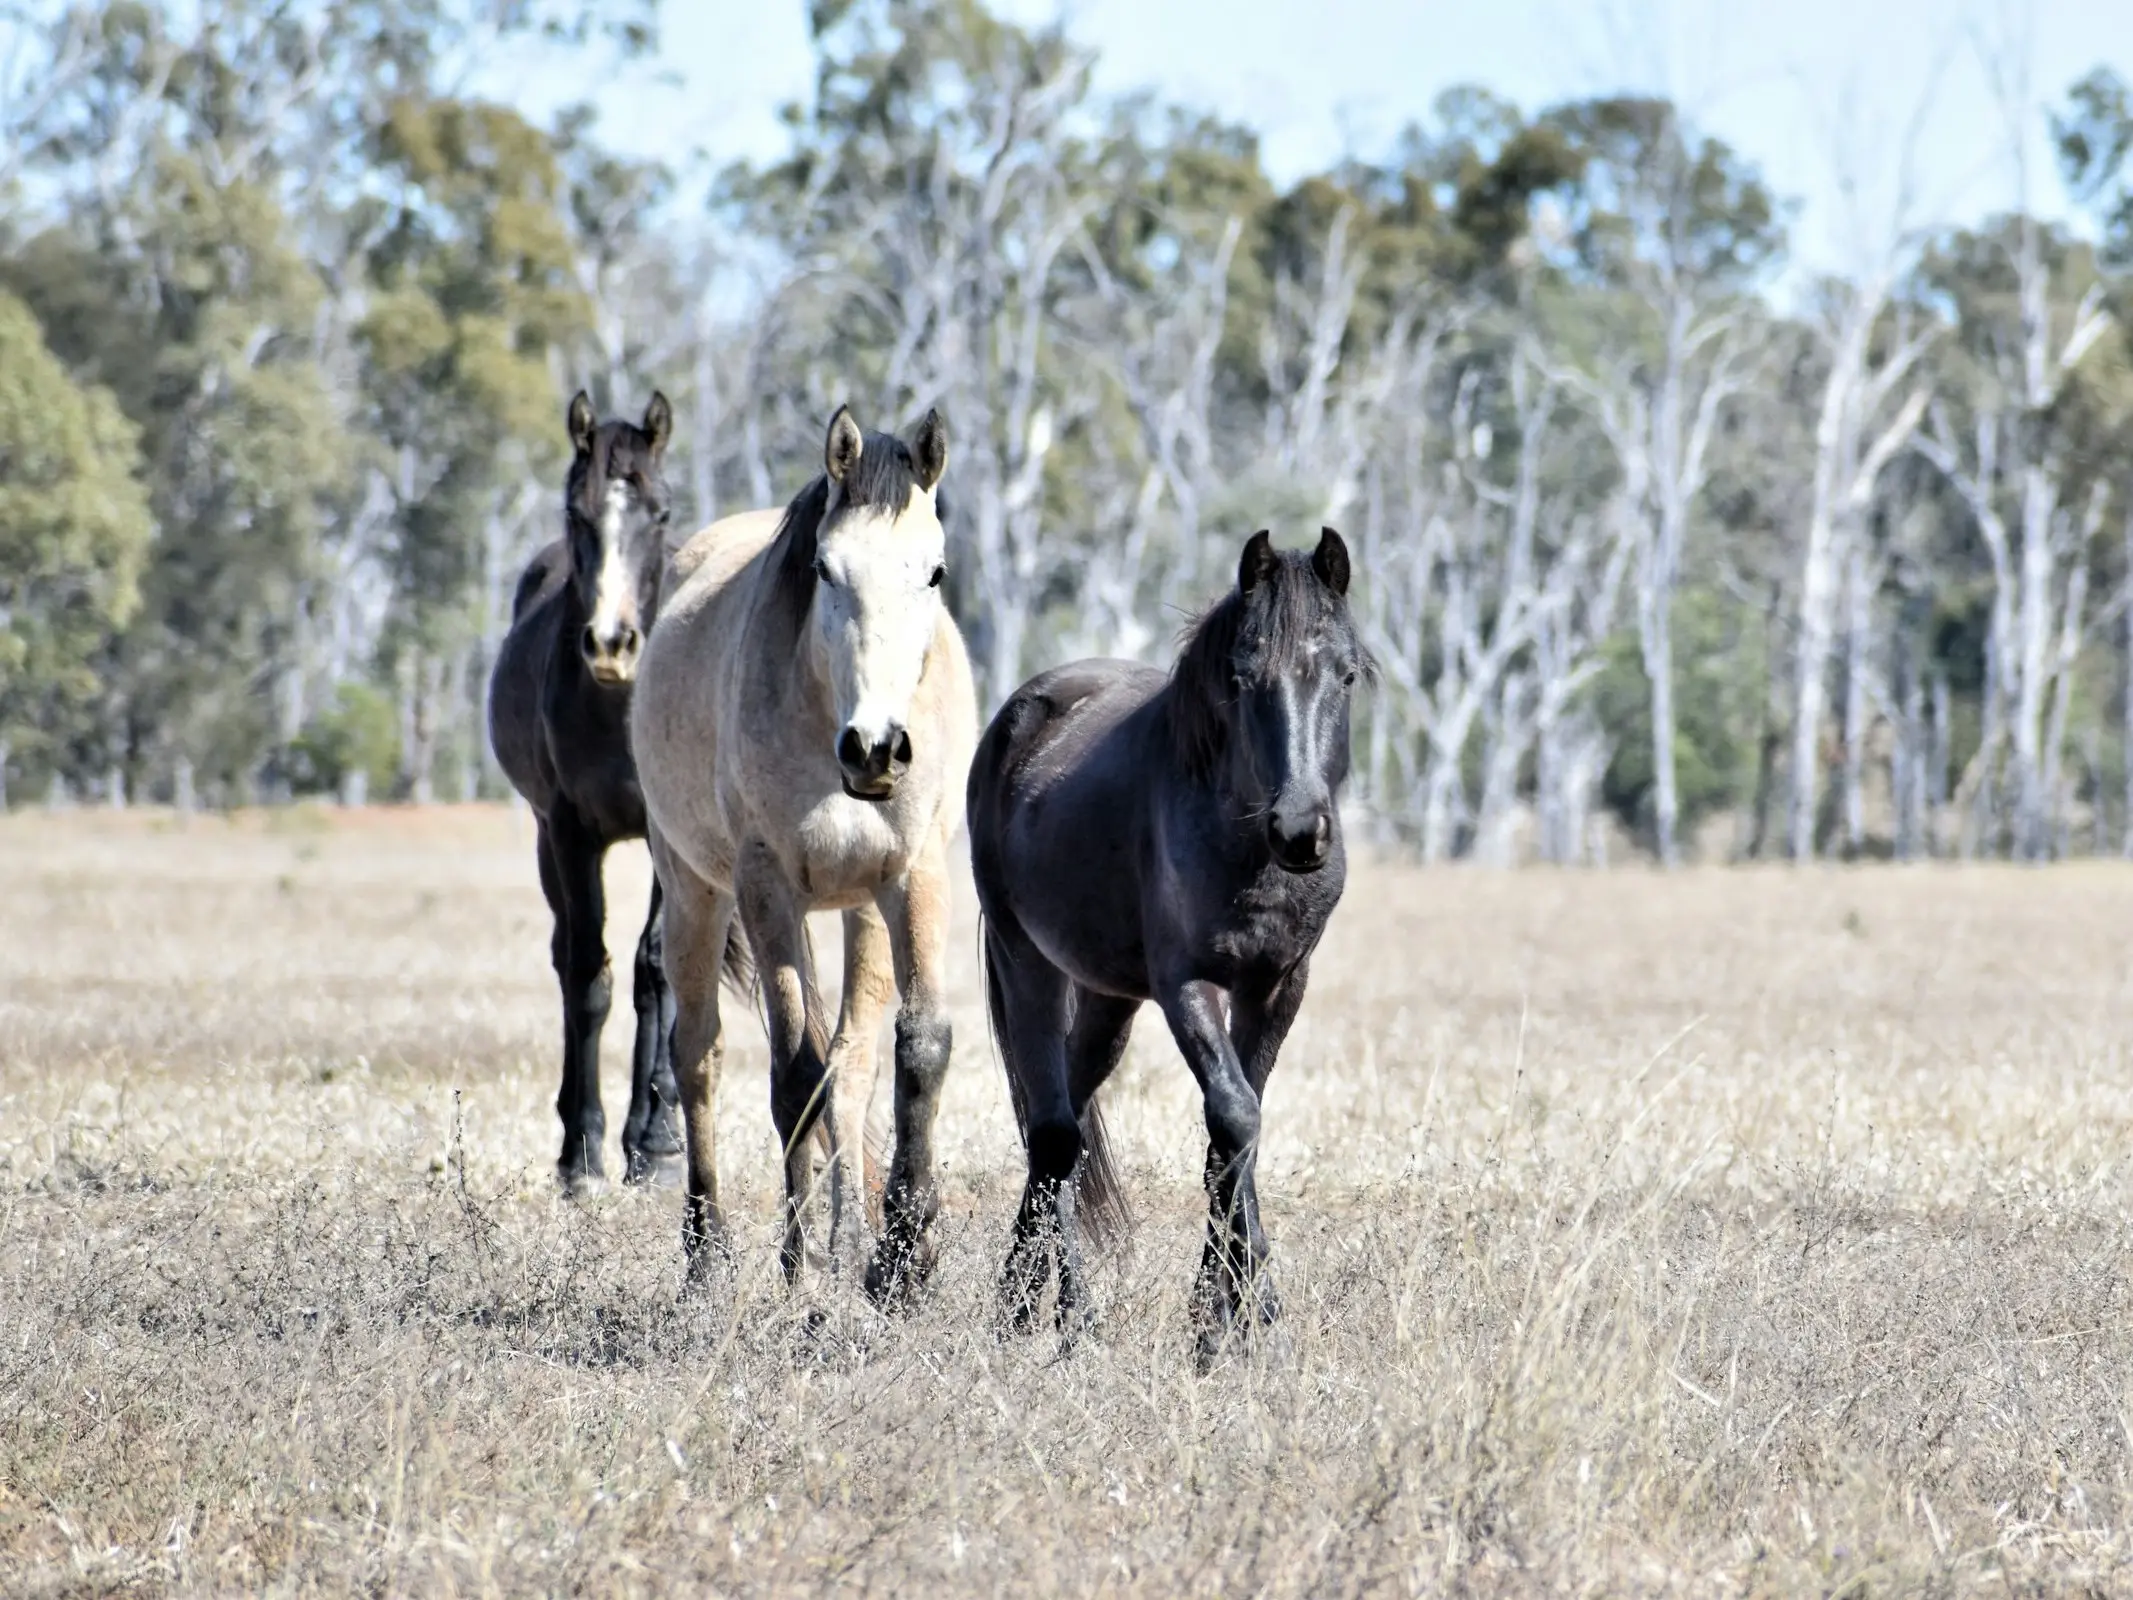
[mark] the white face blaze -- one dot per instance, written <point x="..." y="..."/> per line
<point x="876" y="608"/>
<point x="614" y="591"/>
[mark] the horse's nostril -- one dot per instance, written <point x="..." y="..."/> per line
<point x="630" y="642"/>
<point x="1310" y="844"/>
<point x="589" y="642"/>
<point x="902" y="753"/>
<point x="850" y="751"/>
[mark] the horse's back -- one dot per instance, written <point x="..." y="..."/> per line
<point x="1051" y="719"/>
<point x="1056" y="809"/>
<point x="713" y="556"/>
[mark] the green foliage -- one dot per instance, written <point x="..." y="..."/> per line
<point x="473" y="269"/>
<point x="74" y="532"/>
<point x="359" y="732"/>
<point x="1717" y="676"/>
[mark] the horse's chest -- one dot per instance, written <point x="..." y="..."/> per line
<point x="844" y="850"/>
<point x="1267" y="925"/>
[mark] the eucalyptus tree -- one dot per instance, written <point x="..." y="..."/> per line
<point x="1671" y="235"/>
<point x="74" y="531"/>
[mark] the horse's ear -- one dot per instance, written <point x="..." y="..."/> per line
<point x="841" y="451"/>
<point x="658" y="423"/>
<point x="929" y="450"/>
<point x="1330" y="561"/>
<point x="581" y="422"/>
<point x="1258" y="563"/>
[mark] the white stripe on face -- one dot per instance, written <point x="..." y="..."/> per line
<point x="612" y="597"/>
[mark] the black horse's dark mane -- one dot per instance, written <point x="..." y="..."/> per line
<point x="1276" y="622"/>
<point x="883" y="479"/>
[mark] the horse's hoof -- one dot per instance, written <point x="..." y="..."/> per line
<point x="895" y="1276"/>
<point x="1074" y="1324"/>
<point x="1017" y="1315"/>
<point x="705" y="1277"/>
<point x="581" y="1184"/>
<point x="662" y="1139"/>
<point x="654" y="1169"/>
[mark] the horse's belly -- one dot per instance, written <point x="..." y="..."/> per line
<point x="1075" y="893"/>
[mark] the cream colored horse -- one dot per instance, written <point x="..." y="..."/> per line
<point x="803" y="723"/>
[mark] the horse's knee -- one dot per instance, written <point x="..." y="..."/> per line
<point x="591" y="981"/>
<point x="924" y="1041"/>
<point x="1054" y="1149"/>
<point x="1232" y="1124"/>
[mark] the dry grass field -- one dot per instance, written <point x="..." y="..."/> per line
<point x="1734" y="1233"/>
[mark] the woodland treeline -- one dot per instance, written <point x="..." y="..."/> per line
<point x="1652" y="548"/>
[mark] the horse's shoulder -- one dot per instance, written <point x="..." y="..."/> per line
<point x="713" y="556"/>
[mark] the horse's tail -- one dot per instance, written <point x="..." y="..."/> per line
<point x="1100" y="1199"/>
<point x="737" y="966"/>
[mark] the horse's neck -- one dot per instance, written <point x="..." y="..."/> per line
<point x="779" y="669"/>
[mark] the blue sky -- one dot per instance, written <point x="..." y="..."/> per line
<point x="1804" y="87"/>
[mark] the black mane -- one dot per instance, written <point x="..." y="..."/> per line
<point x="882" y="479"/>
<point x="1275" y="621"/>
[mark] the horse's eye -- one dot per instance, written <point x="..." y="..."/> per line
<point x="939" y="573"/>
<point x="822" y="572"/>
<point x="1348" y="678"/>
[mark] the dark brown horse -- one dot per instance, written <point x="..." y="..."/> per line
<point x="1142" y="836"/>
<point x="559" y="720"/>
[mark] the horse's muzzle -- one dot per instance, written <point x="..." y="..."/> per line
<point x="1303" y="848"/>
<point x="611" y="659"/>
<point x="870" y="768"/>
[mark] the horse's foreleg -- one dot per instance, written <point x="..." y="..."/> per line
<point x="696" y="920"/>
<point x="916" y="911"/>
<point x="574" y="855"/>
<point x="1259" y="1022"/>
<point x="869" y="985"/>
<point x="1232" y="1265"/>
<point x="799" y="1074"/>
<point x="650" y="1135"/>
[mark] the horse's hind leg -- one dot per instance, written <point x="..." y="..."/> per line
<point x="650" y="1136"/>
<point x="1095" y="1043"/>
<point x="799" y="1073"/>
<point x="1029" y="1002"/>
<point x="570" y="871"/>
<point x="916" y="911"/>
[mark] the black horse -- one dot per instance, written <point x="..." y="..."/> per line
<point x="1139" y="836"/>
<point x="559" y="704"/>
